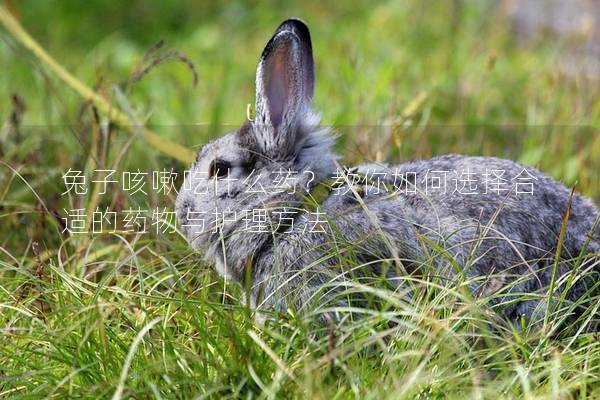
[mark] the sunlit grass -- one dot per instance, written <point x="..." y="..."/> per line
<point x="142" y="316"/>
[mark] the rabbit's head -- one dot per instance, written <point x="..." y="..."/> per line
<point x="230" y="173"/>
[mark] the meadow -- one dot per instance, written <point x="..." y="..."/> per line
<point x="116" y="314"/>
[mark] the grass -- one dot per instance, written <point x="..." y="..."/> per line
<point x="124" y="315"/>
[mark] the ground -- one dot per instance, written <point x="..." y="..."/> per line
<point x="125" y="315"/>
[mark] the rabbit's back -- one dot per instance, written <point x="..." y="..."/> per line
<point x="497" y="218"/>
<point x="520" y="200"/>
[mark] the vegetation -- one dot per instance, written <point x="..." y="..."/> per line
<point x="119" y="314"/>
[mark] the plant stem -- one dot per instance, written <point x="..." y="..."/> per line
<point x="119" y="118"/>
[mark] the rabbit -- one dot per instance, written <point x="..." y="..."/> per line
<point x="504" y="242"/>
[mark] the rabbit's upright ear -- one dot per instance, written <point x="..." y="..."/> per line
<point x="285" y="81"/>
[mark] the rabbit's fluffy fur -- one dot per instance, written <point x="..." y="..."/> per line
<point x="504" y="243"/>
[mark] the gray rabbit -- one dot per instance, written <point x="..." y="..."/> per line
<point x="291" y="243"/>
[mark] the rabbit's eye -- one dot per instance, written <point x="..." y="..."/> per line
<point x="218" y="169"/>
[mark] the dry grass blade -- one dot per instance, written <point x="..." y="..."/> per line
<point x="155" y="61"/>
<point x="559" y="245"/>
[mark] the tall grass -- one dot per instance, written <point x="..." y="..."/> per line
<point x="118" y="315"/>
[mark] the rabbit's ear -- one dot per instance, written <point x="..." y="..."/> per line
<point x="284" y="88"/>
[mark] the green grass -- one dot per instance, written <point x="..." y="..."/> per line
<point x="144" y="317"/>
